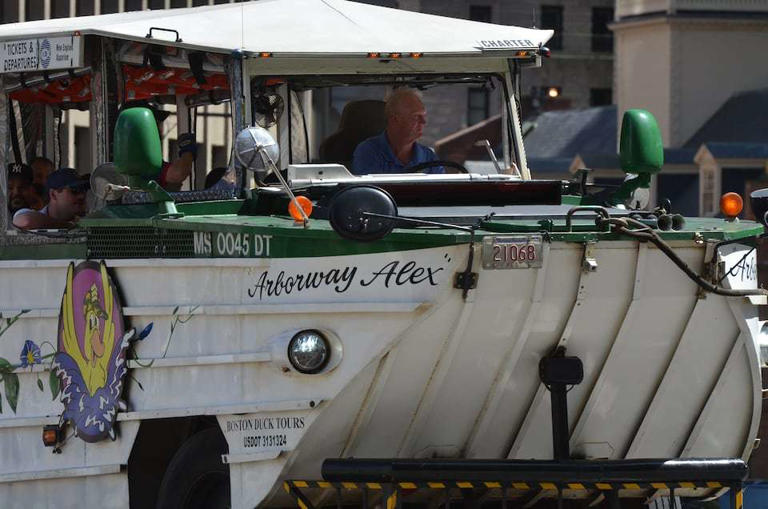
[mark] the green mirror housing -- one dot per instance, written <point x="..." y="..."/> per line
<point x="640" y="150"/>
<point x="138" y="152"/>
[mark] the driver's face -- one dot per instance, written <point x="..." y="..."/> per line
<point x="411" y="118"/>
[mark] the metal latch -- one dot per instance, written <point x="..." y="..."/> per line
<point x="589" y="263"/>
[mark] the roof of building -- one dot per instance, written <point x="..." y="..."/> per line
<point x="743" y="118"/>
<point x="601" y="161"/>
<point x="563" y="134"/>
<point x="738" y="150"/>
<point x="325" y="27"/>
<point x="679" y="155"/>
<point x="558" y="165"/>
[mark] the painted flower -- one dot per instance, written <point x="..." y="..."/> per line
<point x="30" y="354"/>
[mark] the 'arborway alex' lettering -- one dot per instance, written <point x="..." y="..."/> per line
<point x="392" y="274"/>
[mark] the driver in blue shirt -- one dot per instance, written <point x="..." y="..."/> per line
<point x="396" y="148"/>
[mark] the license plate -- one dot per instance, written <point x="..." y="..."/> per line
<point x="512" y="252"/>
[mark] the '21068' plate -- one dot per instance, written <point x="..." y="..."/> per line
<point x="513" y="252"/>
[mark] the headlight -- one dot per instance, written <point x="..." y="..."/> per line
<point x="309" y="351"/>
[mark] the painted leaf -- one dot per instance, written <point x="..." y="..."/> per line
<point x="40" y="385"/>
<point x="53" y="383"/>
<point x="1" y="404"/>
<point x="144" y="333"/>
<point x="5" y="366"/>
<point x="11" y="382"/>
<point x="175" y="310"/>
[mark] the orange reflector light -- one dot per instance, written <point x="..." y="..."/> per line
<point x="373" y="55"/>
<point x="304" y="203"/>
<point x="522" y="53"/>
<point x="416" y="55"/>
<point x="731" y="204"/>
<point x="51" y="435"/>
<point x="394" y="55"/>
<point x="265" y="54"/>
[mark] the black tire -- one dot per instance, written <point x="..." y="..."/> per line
<point x="196" y="477"/>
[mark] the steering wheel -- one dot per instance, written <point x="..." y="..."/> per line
<point x="432" y="164"/>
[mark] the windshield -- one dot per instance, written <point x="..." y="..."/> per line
<point x="373" y="125"/>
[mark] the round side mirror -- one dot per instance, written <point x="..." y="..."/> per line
<point x="256" y="151"/>
<point x="759" y="201"/>
<point x="347" y="213"/>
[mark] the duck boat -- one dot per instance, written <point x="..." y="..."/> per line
<point x="303" y="334"/>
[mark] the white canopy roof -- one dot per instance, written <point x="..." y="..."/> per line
<point x="295" y="27"/>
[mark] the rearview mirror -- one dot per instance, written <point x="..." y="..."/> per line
<point x="641" y="150"/>
<point x="257" y="151"/>
<point x="138" y="152"/>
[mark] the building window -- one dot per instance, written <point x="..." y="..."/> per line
<point x="480" y="13"/>
<point x="197" y="3"/>
<point x="10" y="12"/>
<point x="132" y="5"/>
<point x="178" y="3"/>
<point x="600" y="97"/>
<point x="156" y="4"/>
<point x="109" y="6"/>
<point x="477" y="105"/>
<point x="82" y="148"/>
<point x="217" y="2"/>
<point x="219" y="156"/>
<point x="602" y="37"/>
<point x="34" y="10"/>
<point x="552" y="19"/>
<point x="60" y="9"/>
<point x="84" y="8"/>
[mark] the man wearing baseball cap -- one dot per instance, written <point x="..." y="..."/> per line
<point x="21" y="194"/>
<point x="66" y="195"/>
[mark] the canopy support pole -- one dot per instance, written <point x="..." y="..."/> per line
<point x="514" y="115"/>
<point x="234" y="69"/>
<point x="101" y="60"/>
<point x="5" y="111"/>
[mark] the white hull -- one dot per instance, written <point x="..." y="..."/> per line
<point x="422" y="372"/>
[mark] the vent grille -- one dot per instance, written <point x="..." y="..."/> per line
<point x="140" y="242"/>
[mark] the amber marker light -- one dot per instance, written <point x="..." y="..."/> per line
<point x="304" y="203"/>
<point x="51" y="435"/>
<point x="416" y="55"/>
<point x="731" y="205"/>
<point x="374" y="54"/>
<point x="395" y="55"/>
<point x="265" y="54"/>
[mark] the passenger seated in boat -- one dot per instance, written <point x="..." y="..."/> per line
<point x="21" y="191"/>
<point x="41" y="168"/>
<point x="66" y="195"/>
<point x="397" y="149"/>
<point x="172" y="175"/>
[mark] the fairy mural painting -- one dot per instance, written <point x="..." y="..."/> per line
<point x="91" y="357"/>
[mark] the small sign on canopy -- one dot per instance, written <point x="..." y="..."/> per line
<point x="41" y="54"/>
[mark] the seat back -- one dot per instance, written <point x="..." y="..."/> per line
<point x="359" y="121"/>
